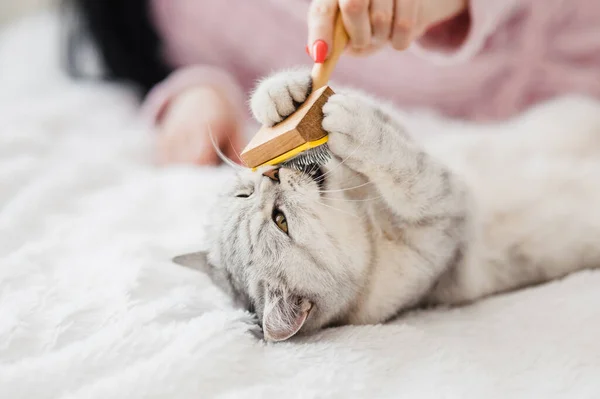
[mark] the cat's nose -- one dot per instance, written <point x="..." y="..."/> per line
<point x="272" y="174"/>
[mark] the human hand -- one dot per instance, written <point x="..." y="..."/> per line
<point x="372" y="24"/>
<point x="184" y="132"/>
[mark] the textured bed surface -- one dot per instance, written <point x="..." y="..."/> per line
<point x="91" y="307"/>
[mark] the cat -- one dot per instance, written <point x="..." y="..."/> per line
<point x="392" y="223"/>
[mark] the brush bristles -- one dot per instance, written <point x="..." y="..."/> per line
<point x="319" y="155"/>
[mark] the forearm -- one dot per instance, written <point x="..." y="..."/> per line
<point x="199" y="76"/>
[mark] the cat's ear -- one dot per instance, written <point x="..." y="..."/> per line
<point x="199" y="261"/>
<point x="194" y="260"/>
<point x="284" y="315"/>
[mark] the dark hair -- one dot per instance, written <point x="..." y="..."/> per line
<point x="125" y="38"/>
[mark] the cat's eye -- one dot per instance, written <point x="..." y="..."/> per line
<point x="244" y="193"/>
<point x="280" y="220"/>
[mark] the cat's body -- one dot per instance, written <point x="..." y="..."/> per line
<point x="391" y="224"/>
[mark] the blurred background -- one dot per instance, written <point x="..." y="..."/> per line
<point x="12" y="9"/>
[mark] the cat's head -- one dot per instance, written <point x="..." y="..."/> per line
<point x="285" y="254"/>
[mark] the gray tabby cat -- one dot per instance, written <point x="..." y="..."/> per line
<point x="389" y="223"/>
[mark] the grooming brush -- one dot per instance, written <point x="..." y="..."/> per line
<point x="300" y="140"/>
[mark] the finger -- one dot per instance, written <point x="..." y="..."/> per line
<point x="355" y="14"/>
<point x="430" y="13"/>
<point x="381" y="13"/>
<point x="227" y="137"/>
<point x="206" y="157"/>
<point x="200" y="149"/>
<point x="372" y="48"/>
<point x="169" y="151"/>
<point x="160" y="150"/>
<point x="321" y="21"/>
<point x="405" y="18"/>
<point x="233" y="146"/>
<point x="233" y="155"/>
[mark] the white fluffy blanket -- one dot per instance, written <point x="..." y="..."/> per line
<point x="91" y="307"/>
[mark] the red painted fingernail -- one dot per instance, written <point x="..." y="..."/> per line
<point x="319" y="51"/>
<point x="307" y="50"/>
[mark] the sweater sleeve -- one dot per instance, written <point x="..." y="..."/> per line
<point x="160" y="96"/>
<point x="459" y="39"/>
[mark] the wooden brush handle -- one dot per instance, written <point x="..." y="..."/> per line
<point x="322" y="72"/>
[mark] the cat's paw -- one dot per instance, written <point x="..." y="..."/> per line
<point x="279" y="95"/>
<point x="354" y="124"/>
<point x="361" y="129"/>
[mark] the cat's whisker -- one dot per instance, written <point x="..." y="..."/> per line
<point x="237" y="154"/>
<point x="220" y="153"/>
<point x="345" y="188"/>
<point x="355" y="200"/>
<point x="342" y="162"/>
<point x="329" y="206"/>
<point x="338" y="210"/>
<point x="332" y="207"/>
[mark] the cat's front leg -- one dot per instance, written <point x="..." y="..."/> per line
<point x="372" y="140"/>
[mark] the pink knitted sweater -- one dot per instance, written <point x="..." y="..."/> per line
<point x="490" y="63"/>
